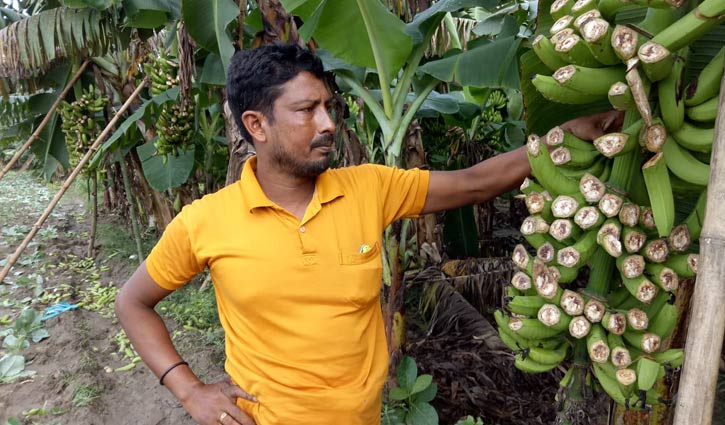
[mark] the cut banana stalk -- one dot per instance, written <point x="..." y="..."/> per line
<point x="585" y="17"/>
<point x="562" y="229"/>
<point x="656" y="60"/>
<point x="614" y="322"/>
<point x="588" y="217"/>
<point x="575" y="51"/>
<point x="521" y="281"/>
<point x="663" y="276"/>
<point x="576" y="255"/>
<point x="631" y="266"/>
<point x="655" y="250"/>
<point x="594" y="310"/>
<point x="592" y="188"/>
<point x="573" y="158"/>
<point x="624" y="42"/>
<point x="654" y="136"/>
<point x="620" y="96"/>
<point x="546" y="253"/>
<point x="564" y="22"/>
<point x="579" y="327"/>
<point x="685" y="265"/>
<point x="521" y="257"/>
<point x="637" y="319"/>
<point x="560" y="8"/>
<point x="572" y="303"/>
<point x="641" y="288"/>
<point x="639" y="91"/>
<point x="629" y="214"/>
<point x="610" y="204"/>
<point x="565" y="206"/>
<point x="597" y="34"/>
<point x="644" y="341"/>
<point x="597" y="345"/>
<point x="647" y="219"/>
<point x="621" y="356"/>
<point x="679" y="239"/>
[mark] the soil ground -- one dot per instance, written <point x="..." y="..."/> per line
<point x="76" y="382"/>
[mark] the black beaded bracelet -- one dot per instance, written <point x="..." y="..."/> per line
<point x="161" y="380"/>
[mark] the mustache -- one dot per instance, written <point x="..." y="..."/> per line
<point x="323" y="141"/>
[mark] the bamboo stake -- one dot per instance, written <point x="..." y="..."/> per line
<point x="696" y="395"/>
<point x="94" y="213"/>
<point x="45" y="121"/>
<point x="69" y="180"/>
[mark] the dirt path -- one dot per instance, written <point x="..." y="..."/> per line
<point x="74" y="378"/>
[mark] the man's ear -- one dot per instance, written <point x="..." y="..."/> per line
<point x="253" y="121"/>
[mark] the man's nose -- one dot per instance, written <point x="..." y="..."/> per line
<point x="325" y="122"/>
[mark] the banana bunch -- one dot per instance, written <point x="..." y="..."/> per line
<point x="607" y="207"/>
<point x="174" y="124"/>
<point x="13" y="111"/>
<point x="82" y="122"/>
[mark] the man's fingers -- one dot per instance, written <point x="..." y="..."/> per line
<point x="235" y="392"/>
<point x="613" y="122"/>
<point x="239" y="417"/>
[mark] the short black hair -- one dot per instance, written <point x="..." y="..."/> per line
<point x="255" y="76"/>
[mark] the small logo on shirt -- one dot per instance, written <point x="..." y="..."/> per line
<point x="365" y="248"/>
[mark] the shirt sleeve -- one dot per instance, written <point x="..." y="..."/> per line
<point x="173" y="261"/>
<point x="402" y="192"/>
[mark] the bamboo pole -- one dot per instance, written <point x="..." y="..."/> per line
<point x="45" y="121"/>
<point x="69" y="180"/>
<point x="696" y="395"/>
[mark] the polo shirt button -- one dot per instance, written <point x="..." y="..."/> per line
<point x="302" y="229"/>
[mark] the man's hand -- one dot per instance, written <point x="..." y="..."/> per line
<point x="592" y="126"/>
<point x="213" y="404"/>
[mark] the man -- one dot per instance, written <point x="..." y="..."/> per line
<point x="294" y="252"/>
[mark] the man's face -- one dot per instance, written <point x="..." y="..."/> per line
<point x="302" y="132"/>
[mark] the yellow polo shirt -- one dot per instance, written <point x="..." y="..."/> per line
<point x="298" y="300"/>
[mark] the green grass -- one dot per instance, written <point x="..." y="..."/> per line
<point x="84" y="395"/>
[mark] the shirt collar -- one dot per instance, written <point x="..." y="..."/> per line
<point x="327" y="187"/>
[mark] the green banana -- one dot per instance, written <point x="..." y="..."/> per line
<point x="548" y="356"/>
<point x="597" y="346"/>
<point x="544" y="49"/>
<point x="704" y="112"/>
<point x="657" y="181"/>
<point x="673" y="358"/>
<point x="707" y="84"/>
<point x="546" y="171"/>
<point x="684" y="165"/>
<point x="528" y="365"/>
<point x="555" y="92"/>
<point x="672" y="105"/>
<point x="593" y="81"/>
<point x="647" y="373"/>
<point x="695" y="138"/>
<point x="665" y="321"/>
